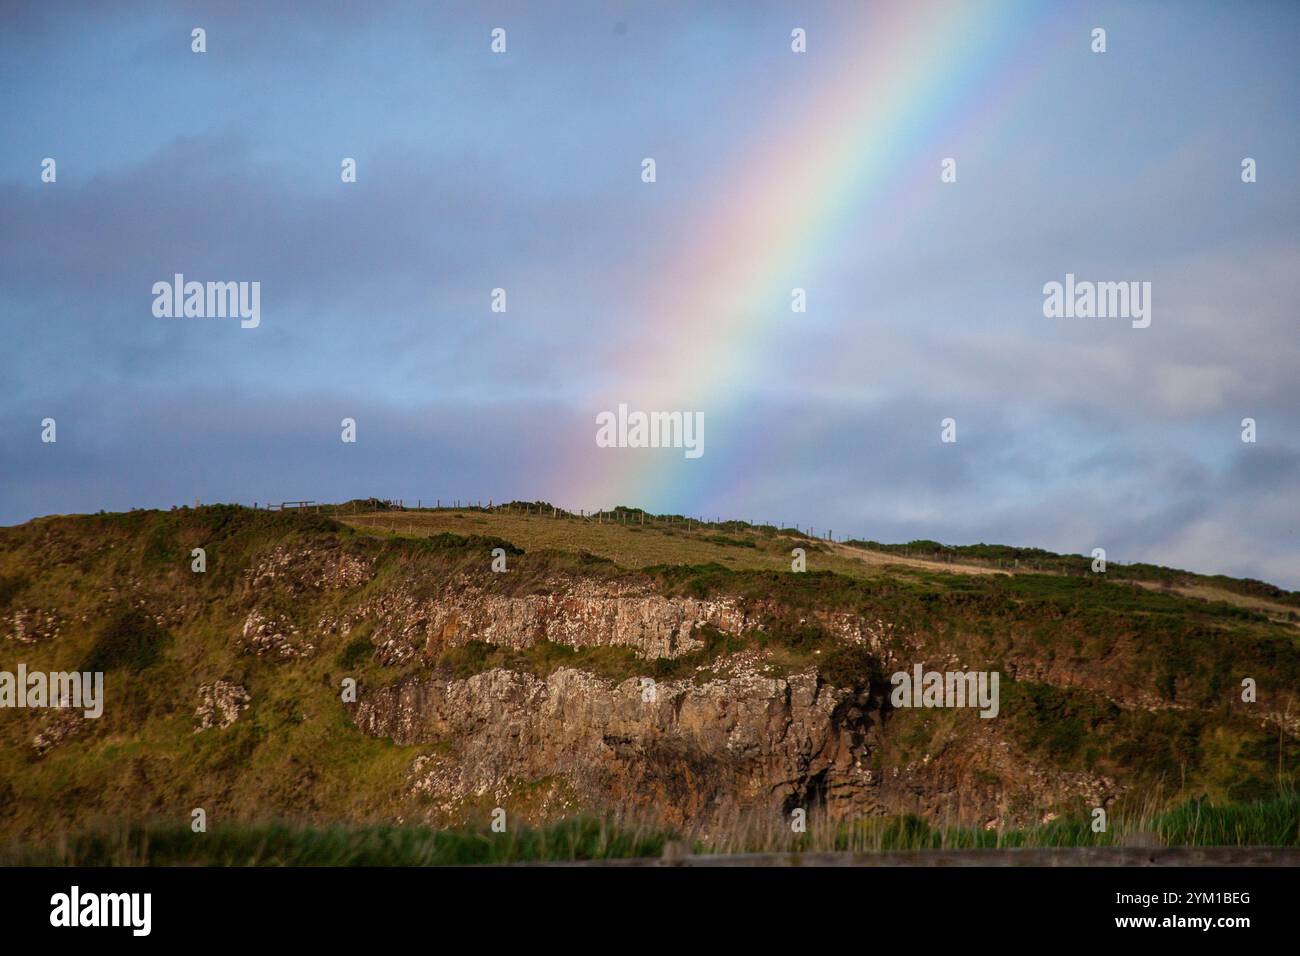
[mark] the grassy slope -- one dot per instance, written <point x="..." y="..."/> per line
<point x="296" y="750"/>
<point x="743" y="547"/>
<point x="296" y="755"/>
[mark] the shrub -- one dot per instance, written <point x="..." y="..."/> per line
<point x="128" y="639"/>
<point x="356" y="651"/>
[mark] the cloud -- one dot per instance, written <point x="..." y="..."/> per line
<point x="521" y="173"/>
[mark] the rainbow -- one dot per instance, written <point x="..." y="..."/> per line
<point x="866" y="150"/>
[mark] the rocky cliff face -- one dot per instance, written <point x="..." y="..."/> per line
<point x="754" y="731"/>
<point x="573" y="612"/>
<point x="686" y="694"/>
<point x="679" y="749"/>
<point x="739" y="736"/>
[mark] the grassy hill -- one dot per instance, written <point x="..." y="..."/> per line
<point x="1121" y="690"/>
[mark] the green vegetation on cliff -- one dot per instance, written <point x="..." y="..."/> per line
<point x="1107" y="677"/>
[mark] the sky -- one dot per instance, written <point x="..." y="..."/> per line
<point x="774" y="170"/>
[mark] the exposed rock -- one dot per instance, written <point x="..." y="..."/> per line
<point x="58" y="725"/>
<point x="855" y="629"/>
<point x="32" y="625"/>
<point x="268" y="635"/>
<point x="688" y="752"/>
<point x="578" y="613"/>
<point x="682" y="749"/>
<point x="220" y="704"/>
<point x="983" y="780"/>
<point x="298" y="568"/>
<point x="1288" y="722"/>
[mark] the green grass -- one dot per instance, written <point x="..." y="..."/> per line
<point x="1273" y="822"/>
<point x="282" y="844"/>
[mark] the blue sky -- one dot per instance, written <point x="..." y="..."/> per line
<point x="522" y="171"/>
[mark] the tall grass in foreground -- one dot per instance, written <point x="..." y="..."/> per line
<point x="1274" y="822"/>
<point x="287" y="844"/>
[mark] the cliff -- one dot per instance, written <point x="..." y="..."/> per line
<point x="683" y="693"/>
